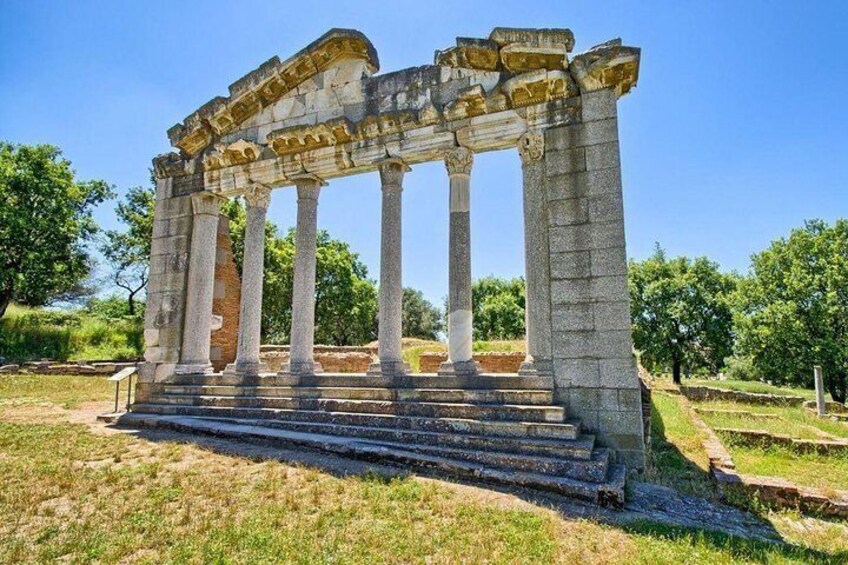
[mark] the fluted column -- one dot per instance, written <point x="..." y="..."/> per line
<point x="458" y="163"/>
<point x="390" y="331"/>
<point x="250" y="318"/>
<point x="197" y="329"/>
<point x="301" y="359"/>
<point x="537" y="272"/>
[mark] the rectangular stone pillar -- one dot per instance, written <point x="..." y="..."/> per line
<point x="594" y="367"/>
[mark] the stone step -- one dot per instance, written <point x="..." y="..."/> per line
<point x="416" y="381"/>
<point x="484" y="396"/>
<point x="511" y="429"/>
<point x="592" y="470"/>
<point x="609" y="492"/>
<point x="509" y="412"/>
<point x="580" y="448"/>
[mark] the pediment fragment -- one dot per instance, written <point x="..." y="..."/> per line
<point x="608" y="65"/>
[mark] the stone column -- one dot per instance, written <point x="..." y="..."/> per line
<point x="194" y="354"/>
<point x="537" y="271"/>
<point x="821" y="405"/>
<point x="391" y="277"/>
<point x="301" y="360"/>
<point x="250" y="325"/>
<point x="458" y="163"/>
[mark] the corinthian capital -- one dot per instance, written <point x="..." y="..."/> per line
<point x="258" y="196"/>
<point x="531" y="146"/>
<point x="459" y="161"/>
<point x="391" y="173"/>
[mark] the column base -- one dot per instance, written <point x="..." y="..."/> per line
<point x="388" y="369"/>
<point x="450" y="368"/>
<point x="301" y="368"/>
<point x="194" y="369"/>
<point x="534" y="367"/>
<point x="246" y="369"/>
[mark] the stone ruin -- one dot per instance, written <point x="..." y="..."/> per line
<point x="570" y="419"/>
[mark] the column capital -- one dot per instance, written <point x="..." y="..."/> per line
<point x="392" y="170"/>
<point x="206" y="203"/>
<point x="531" y="146"/>
<point x="258" y="196"/>
<point x="459" y="160"/>
<point x="308" y="185"/>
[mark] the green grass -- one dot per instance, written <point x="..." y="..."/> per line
<point x="677" y="457"/>
<point x="808" y="469"/>
<point x="751" y="386"/>
<point x="67" y="494"/>
<point x="794" y="421"/>
<point x="67" y="392"/>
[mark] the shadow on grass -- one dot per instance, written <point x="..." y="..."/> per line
<point x="643" y="516"/>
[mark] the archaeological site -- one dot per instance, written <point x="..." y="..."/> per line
<point x="569" y="420"/>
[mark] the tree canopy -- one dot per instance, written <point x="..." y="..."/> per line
<point x="498" y="308"/>
<point x="45" y="224"/>
<point x="681" y="313"/>
<point x="345" y="298"/>
<point x="128" y="252"/>
<point x="420" y="318"/>
<point x="793" y="308"/>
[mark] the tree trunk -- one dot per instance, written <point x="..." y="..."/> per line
<point x="5" y="299"/>
<point x="131" y="304"/>
<point x="675" y="368"/>
<point x="836" y="386"/>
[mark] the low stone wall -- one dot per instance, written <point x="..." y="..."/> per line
<point x="774" y="492"/>
<point x="75" y="368"/>
<point x="331" y="361"/>
<point x="830" y="407"/>
<point x="490" y="361"/>
<point x="760" y="438"/>
<point x="702" y="393"/>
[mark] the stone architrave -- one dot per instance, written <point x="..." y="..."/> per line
<point x="250" y="327"/>
<point x="458" y="163"/>
<point x="194" y="354"/>
<point x="302" y="360"/>
<point x="537" y="270"/>
<point x="391" y="282"/>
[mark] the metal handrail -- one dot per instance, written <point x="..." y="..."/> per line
<point x="126" y="372"/>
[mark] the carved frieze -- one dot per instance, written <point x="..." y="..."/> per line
<point x="470" y="53"/>
<point x="520" y="57"/>
<point x="470" y="102"/>
<point x="239" y="152"/>
<point x="296" y="139"/>
<point x="536" y="87"/>
<point x="169" y="165"/>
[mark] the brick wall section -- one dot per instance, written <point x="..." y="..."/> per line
<point x="594" y="369"/>
<point x="331" y="361"/>
<point x="226" y="301"/>
<point x="490" y="362"/>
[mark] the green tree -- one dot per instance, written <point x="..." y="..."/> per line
<point x="420" y="318"/>
<point x="793" y="308"/>
<point x="498" y="308"/>
<point x="45" y="224"/>
<point x="128" y="252"/>
<point x="345" y="298"/>
<point x="680" y="312"/>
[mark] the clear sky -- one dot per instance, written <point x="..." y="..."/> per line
<point x="736" y="133"/>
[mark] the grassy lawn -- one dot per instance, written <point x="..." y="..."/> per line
<point x="793" y="421"/>
<point x="752" y="386"/>
<point x="76" y="492"/>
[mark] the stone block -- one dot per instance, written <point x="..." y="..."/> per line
<point x="576" y="373"/>
<point x="567" y="317"/>
<point x="571" y="160"/>
<point x="592" y="344"/>
<point x="630" y="400"/>
<point x="618" y="373"/>
<point x="581" y="135"/>
<point x="603" y="156"/>
<point x="581" y="184"/>
<point x="628" y="422"/>
<point x="598" y="105"/>
<point x="612" y="315"/>
<point x="606" y="235"/>
<point x="606" y="207"/>
<point x="608" y="399"/>
<point x="609" y="289"/>
<point x="219" y="290"/>
<point x="587" y="398"/>
<point x="571" y="291"/>
<point x="574" y="238"/>
<point x="608" y="262"/>
<point x="571" y="265"/>
<point x="569" y="212"/>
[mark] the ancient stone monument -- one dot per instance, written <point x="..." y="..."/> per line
<point x="570" y="419"/>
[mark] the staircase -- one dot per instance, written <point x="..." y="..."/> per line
<point x="497" y="428"/>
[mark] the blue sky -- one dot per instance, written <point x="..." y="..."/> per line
<point x="736" y="133"/>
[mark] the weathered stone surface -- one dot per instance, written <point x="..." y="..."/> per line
<point x="608" y="65"/>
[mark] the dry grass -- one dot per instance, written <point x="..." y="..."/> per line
<point x="71" y="493"/>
